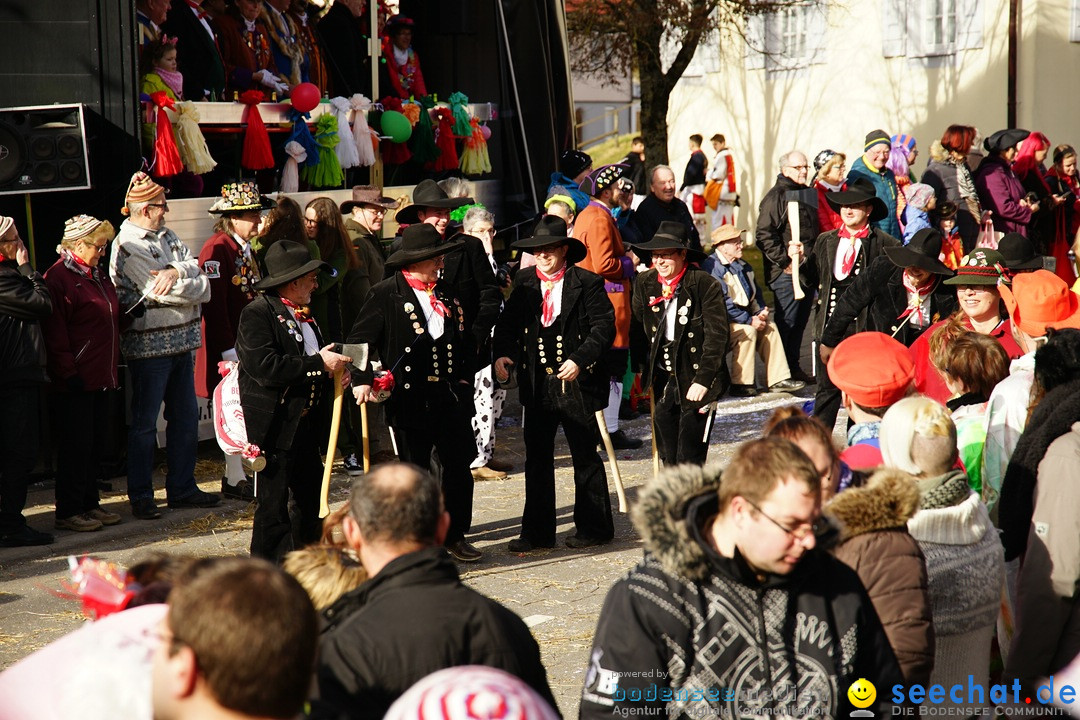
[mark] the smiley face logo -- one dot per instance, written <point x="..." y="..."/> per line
<point x="862" y="693"/>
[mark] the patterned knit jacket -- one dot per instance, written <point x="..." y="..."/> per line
<point x="966" y="567"/>
<point x="170" y="324"/>
<point x="689" y="633"/>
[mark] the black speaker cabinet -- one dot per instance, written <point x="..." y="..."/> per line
<point x="43" y="149"/>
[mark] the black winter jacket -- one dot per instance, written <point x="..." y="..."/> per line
<point x="773" y="231"/>
<point x="880" y="291"/>
<point x="413" y="618"/>
<point x="24" y="302"/>
<point x="691" y="634"/>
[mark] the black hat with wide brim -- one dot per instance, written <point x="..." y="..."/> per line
<point x="428" y="194"/>
<point x="1002" y="140"/>
<point x="551" y="230"/>
<point x="859" y="191"/>
<point x="287" y="260"/>
<point x="1019" y="252"/>
<point x="419" y="243"/>
<point x="922" y="251"/>
<point x="671" y="235"/>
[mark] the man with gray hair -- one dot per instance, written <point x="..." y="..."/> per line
<point x="773" y="237"/>
<point x="660" y="205"/>
<point x="161" y="286"/>
<point x="391" y="631"/>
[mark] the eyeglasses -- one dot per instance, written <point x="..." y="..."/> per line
<point x="163" y="206"/>
<point x="799" y="167"/>
<point x="662" y="255"/>
<point x="799" y="533"/>
<point x="547" y="249"/>
<point x="97" y="247"/>
<point x="380" y="211"/>
<point x="309" y="221"/>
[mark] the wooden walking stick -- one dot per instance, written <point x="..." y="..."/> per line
<point x="619" y="490"/>
<point x="652" y="422"/>
<point x="331" y="447"/>
<point x="364" y="437"/>
<point x="793" y="223"/>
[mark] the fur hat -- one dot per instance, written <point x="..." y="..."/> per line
<point x="874" y="369"/>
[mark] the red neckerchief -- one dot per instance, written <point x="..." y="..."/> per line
<point x="920" y="294"/>
<point x="83" y="265"/>
<point x="303" y="313"/>
<point x="199" y="12"/>
<point x="667" y="287"/>
<point x="849" y="257"/>
<point x="548" y="315"/>
<point x="428" y="287"/>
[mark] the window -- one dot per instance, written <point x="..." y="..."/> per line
<point x="791" y="37"/>
<point x="928" y="28"/>
<point x="1074" y="25"/>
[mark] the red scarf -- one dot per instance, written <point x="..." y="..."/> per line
<point x="849" y="257"/>
<point x="667" y="287"/>
<point x="920" y="294"/>
<point x="199" y="12"/>
<point x="303" y="313"/>
<point x="548" y="313"/>
<point x="82" y="264"/>
<point x="428" y="287"/>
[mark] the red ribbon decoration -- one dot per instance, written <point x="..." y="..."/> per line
<point x="166" y="155"/>
<point x="256" y="154"/>
<point x="920" y="294"/>
<point x="302" y="312"/>
<point x="436" y="304"/>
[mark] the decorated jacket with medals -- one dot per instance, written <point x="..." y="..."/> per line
<point x="699" y="341"/>
<point x="582" y="331"/>
<point x="429" y="374"/>
<point x="232" y="275"/>
<point x="279" y="381"/>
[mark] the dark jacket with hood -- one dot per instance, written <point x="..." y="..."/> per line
<point x="689" y="633"/>
<point x="413" y="618"/>
<point x="875" y="543"/>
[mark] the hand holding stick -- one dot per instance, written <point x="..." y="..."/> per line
<point x="793" y="223"/>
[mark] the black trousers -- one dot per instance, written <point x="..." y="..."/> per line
<point x="680" y="430"/>
<point x="827" y="398"/>
<point x="80" y="424"/>
<point x="450" y="434"/>
<point x="298" y="470"/>
<point x="19" y="438"/>
<point x="592" y="502"/>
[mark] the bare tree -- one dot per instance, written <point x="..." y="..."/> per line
<point x="609" y="37"/>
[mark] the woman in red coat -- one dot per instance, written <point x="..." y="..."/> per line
<point x="829" y="167"/>
<point x="228" y="262"/>
<point x="82" y="341"/>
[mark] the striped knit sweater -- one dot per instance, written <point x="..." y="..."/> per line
<point x="170" y="325"/>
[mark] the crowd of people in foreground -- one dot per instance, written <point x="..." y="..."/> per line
<point x="944" y="525"/>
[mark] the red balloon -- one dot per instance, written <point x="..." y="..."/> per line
<point x="305" y="97"/>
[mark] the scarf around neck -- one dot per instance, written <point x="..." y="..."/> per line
<point x="667" y="287"/>
<point x="943" y="491"/>
<point x="428" y="287"/>
<point x="548" y="308"/>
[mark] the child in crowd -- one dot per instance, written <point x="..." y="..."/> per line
<point x="952" y="247"/>
<point x="920" y="201"/>
<point x="159" y="75"/>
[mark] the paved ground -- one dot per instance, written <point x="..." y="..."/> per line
<point x="558" y="592"/>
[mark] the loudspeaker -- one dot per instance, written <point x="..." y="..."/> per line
<point x="43" y="149"/>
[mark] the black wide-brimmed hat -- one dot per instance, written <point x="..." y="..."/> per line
<point x="859" y="191"/>
<point x="671" y="235"/>
<point x="551" y="230"/>
<point x="1004" y="139"/>
<point x="421" y="242"/>
<point x="287" y="260"/>
<point x="922" y="251"/>
<point x="1018" y="252"/>
<point x="428" y="194"/>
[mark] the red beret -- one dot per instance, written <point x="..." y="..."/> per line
<point x="872" y="368"/>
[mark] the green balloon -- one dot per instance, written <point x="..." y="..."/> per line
<point x="396" y="126"/>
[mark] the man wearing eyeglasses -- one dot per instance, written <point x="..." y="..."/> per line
<point x="161" y="286"/>
<point x="774" y="239"/>
<point x="735" y="611"/>
<point x="876" y="148"/>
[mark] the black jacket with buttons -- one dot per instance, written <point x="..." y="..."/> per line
<point x="278" y="380"/>
<point x="701" y="332"/>
<point x="585" y="326"/>
<point x="880" y="292"/>
<point x="429" y="375"/>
